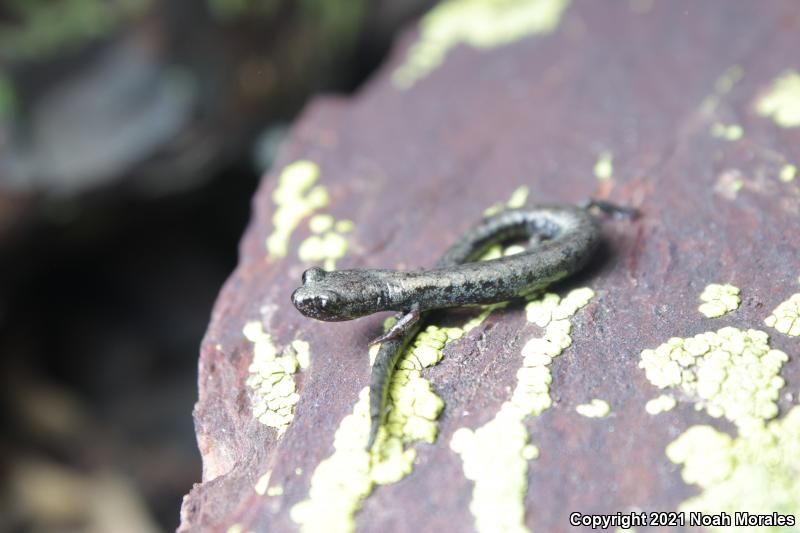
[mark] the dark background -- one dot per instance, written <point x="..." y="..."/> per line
<point x="132" y="137"/>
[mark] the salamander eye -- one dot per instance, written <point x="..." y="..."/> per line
<point x="313" y="274"/>
<point x="326" y="299"/>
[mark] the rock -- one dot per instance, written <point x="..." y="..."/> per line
<point x="480" y="102"/>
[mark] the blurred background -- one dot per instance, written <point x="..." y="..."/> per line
<point x="132" y="137"/>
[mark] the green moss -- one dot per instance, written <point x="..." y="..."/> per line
<point x="8" y="98"/>
<point x="338" y="20"/>
<point x="782" y="101"/>
<point x="479" y="23"/>
<point x="786" y="317"/>
<point x="47" y="28"/>
<point x="227" y="10"/>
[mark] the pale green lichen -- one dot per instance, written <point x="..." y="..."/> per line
<point x="302" y="351"/>
<point x="719" y="299"/>
<point x="342" y="481"/>
<point x="327" y="244"/>
<point x="295" y="197"/>
<point x="733" y="132"/>
<point x="479" y="23"/>
<point x="730" y="373"/>
<point x="660" y="405"/>
<point x="271" y="379"/>
<point x="722" y="86"/>
<point x="787" y="173"/>
<point x="782" y="102"/>
<point x="757" y="472"/>
<point x="595" y="409"/>
<point x="495" y="456"/>
<point x="733" y="374"/>
<point x="604" y="167"/>
<point x="786" y="317"/>
<point x="235" y="528"/>
<point x="263" y="483"/>
<point x="518" y="198"/>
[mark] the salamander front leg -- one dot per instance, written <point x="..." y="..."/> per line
<point x="404" y="322"/>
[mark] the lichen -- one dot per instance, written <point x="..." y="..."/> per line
<point x="758" y="472"/>
<point x="787" y="173"/>
<point x="786" y="317"/>
<point x="719" y="300"/>
<point x="733" y="374"/>
<point x="730" y="373"/>
<point x="263" y="483"/>
<point x="722" y="87"/>
<point x="327" y="242"/>
<point x="732" y="132"/>
<point x="518" y="198"/>
<point x="660" y="405"/>
<point x="295" y="197"/>
<point x="481" y="24"/>
<point x="604" y="167"/>
<point x="271" y="378"/>
<point x="595" y="409"/>
<point x="782" y="102"/>
<point x="341" y="482"/>
<point x="495" y="456"/>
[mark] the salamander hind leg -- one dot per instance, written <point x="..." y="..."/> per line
<point x="403" y="324"/>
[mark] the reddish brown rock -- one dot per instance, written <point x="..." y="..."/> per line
<point x="413" y="168"/>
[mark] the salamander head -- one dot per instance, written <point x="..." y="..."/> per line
<point x="323" y="296"/>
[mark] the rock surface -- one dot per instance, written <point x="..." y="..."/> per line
<point x="686" y="110"/>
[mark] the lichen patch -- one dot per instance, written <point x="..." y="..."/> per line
<point x="595" y="409"/>
<point x="660" y="404"/>
<point x="719" y="300"/>
<point x="786" y="317"/>
<point x="477" y="23"/>
<point x="756" y="472"/>
<point x="295" y="197"/>
<point x="341" y="482"/>
<point x="729" y="373"/>
<point x="495" y="456"/>
<point x="782" y="101"/>
<point x="271" y="378"/>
